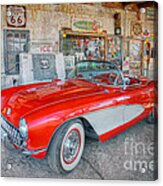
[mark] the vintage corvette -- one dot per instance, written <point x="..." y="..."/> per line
<point x="52" y="118"/>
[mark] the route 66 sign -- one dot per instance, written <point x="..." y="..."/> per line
<point x="16" y="16"/>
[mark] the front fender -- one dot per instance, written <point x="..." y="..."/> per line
<point x="44" y="122"/>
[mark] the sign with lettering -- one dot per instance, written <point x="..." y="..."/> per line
<point x="86" y="25"/>
<point x="150" y="13"/>
<point x="16" y="16"/>
<point x="41" y="47"/>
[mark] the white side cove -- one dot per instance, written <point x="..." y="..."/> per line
<point x="132" y="111"/>
<point x="108" y="119"/>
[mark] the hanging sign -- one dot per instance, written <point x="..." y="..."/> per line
<point x="16" y="16"/>
<point x="85" y="25"/>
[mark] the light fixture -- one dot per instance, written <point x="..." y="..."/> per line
<point x="142" y="10"/>
<point x="64" y="35"/>
<point x="23" y="128"/>
<point x="9" y="13"/>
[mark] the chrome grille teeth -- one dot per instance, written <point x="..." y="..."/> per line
<point x="12" y="132"/>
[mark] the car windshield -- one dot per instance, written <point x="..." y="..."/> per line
<point x="96" y="71"/>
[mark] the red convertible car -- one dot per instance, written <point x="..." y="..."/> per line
<point x="53" y="118"/>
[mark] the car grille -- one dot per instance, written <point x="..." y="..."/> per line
<point x="12" y="132"/>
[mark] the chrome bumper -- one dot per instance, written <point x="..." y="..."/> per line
<point x="5" y="139"/>
<point x="12" y="132"/>
<point x="27" y="152"/>
<point x="3" y="135"/>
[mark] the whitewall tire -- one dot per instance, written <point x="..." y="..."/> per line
<point x="67" y="147"/>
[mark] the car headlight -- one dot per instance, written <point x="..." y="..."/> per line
<point x="23" y="128"/>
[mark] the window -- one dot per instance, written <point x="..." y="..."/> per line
<point x="92" y="47"/>
<point x="15" y="42"/>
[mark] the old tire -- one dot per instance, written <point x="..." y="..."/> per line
<point x="66" y="147"/>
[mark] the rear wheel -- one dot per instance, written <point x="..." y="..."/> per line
<point x="152" y="118"/>
<point x="67" y="146"/>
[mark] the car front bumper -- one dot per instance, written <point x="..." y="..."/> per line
<point x="6" y="137"/>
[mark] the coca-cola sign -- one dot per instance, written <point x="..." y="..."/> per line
<point x="16" y="16"/>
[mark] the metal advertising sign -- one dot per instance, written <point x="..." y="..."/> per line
<point x="16" y="16"/>
<point x="150" y="13"/>
<point x="86" y="25"/>
<point x="41" y="47"/>
<point x="136" y="28"/>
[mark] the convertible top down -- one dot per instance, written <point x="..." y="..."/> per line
<point x="53" y="117"/>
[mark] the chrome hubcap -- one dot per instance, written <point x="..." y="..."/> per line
<point x="71" y="146"/>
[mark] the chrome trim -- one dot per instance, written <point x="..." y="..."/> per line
<point x="5" y="138"/>
<point x="28" y="152"/>
<point x="3" y="134"/>
<point x="13" y="133"/>
<point x="71" y="146"/>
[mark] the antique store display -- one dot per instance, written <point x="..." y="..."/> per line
<point x="79" y="90"/>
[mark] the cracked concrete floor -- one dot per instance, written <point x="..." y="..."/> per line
<point x="129" y="155"/>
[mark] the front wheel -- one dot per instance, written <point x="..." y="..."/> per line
<point x="66" y="147"/>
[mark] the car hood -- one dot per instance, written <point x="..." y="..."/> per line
<point x="26" y="100"/>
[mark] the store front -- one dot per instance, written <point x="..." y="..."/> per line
<point x="77" y="32"/>
<point x="82" y="45"/>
